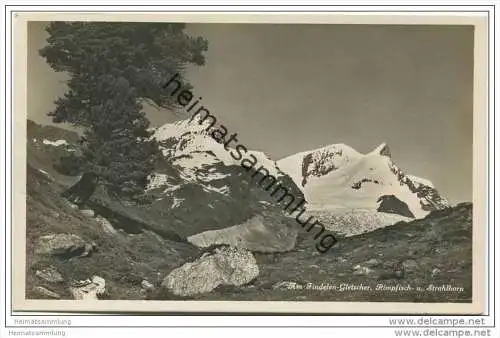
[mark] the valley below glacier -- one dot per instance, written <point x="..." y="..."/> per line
<point x="209" y="232"/>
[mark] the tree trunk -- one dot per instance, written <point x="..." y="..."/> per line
<point x="82" y="190"/>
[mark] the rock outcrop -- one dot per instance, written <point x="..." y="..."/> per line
<point x="393" y="205"/>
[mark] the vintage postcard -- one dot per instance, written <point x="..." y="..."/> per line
<point x="250" y="163"/>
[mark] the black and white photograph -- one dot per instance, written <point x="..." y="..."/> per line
<point x="170" y="161"/>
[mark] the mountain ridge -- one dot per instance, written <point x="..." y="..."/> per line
<point x="331" y="176"/>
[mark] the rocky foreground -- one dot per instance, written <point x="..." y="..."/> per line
<point x="427" y="260"/>
<point x="77" y="254"/>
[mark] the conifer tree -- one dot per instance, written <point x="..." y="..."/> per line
<point x="114" y="68"/>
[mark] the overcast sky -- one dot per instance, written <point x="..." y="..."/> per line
<point x="290" y="88"/>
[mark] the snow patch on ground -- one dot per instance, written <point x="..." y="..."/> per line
<point x="223" y="190"/>
<point x="156" y="181"/>
<point x="215" y="176"/>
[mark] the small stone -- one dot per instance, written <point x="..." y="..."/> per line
<point x="435" y="272"/>
<point x="88" y="289"/>
<point x="106" y="225"/>
<point x="147" y="285"/>
<point x="89" y="249"/>
<point x="46" y="292"/>
<point x="50" y="275"/>
<point x="373" y="262"/>
<point x="72" y="205"/>
<point x="361" y="270"/>
<point x="88" y="212"/>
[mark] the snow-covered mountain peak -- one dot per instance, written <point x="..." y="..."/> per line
<point x="319" y="162"/>
<point x="189" y="146"/>
<point x="335" y="175"/>
<point x="339" y="176"/>
<point x="382" y="149"/>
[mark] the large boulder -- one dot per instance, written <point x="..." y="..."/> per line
<point x="258" y="234"/>
<point x="61" y="245"/>
<point x="225" y="266"/>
